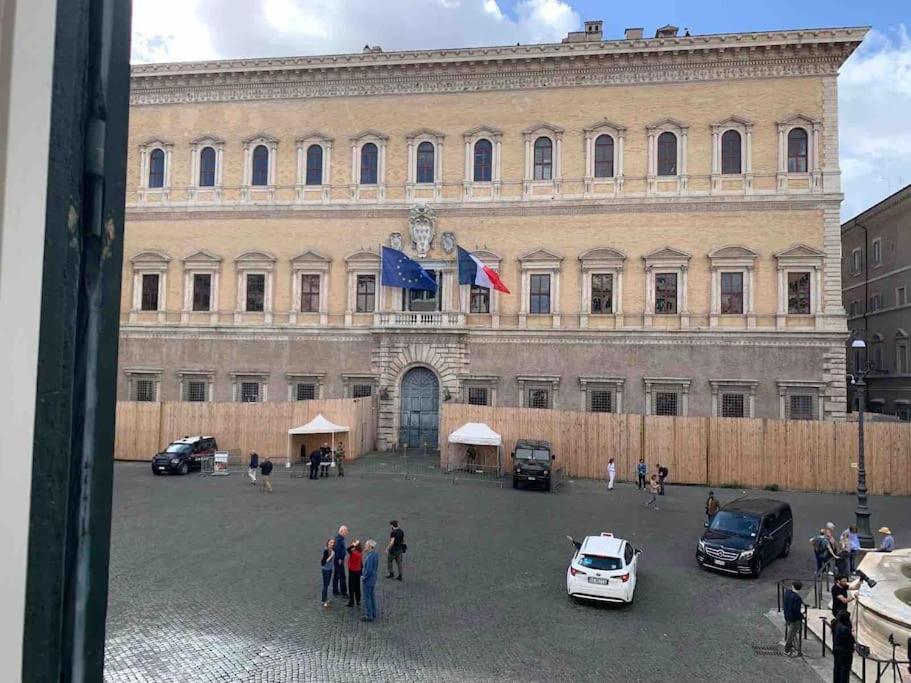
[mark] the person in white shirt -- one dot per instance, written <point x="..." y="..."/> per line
<point x="611" y="473"/>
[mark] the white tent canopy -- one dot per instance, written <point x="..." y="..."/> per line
<point x="476" y="433"/>
<point x="318" y="425"/>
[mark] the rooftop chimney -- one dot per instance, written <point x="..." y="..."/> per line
<point x="633" y="33"/>
<point x="667" y="31"/>
<point x="592" y="33"/>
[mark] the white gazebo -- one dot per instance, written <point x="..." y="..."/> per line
<point x="318" y="429"/>
<point x="474" y="434"/>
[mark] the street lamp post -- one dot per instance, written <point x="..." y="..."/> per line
<point x="862" y="512"/>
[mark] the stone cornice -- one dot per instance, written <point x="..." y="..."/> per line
<point x="768" y="54"/>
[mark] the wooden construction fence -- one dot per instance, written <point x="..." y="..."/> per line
<point x="143" y="429"/>
<point x="750" y="453"/>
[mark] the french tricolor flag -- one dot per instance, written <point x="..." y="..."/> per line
<point x="473" y="272"/>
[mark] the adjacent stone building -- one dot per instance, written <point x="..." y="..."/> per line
<point x="876" y="273"/>
<point x="665" y="212"/>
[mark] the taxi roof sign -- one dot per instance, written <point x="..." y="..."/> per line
<point x="607" y="533"/>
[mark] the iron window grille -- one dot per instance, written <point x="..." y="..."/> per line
<point x="801" y="407"/>
<point x="538" y="398"/>
<point x="602" y="293"/>
<point x="361" y="390"/>
<point x="202" y="291"/>
<point x="366" y="293"/>
<point x="731" y="293"/>
<point x="256" y="292"/>
<point x="666" y="403"/>
<point x="143" y="389"/>
<point x="195" y="391"/>
<point x="304" y="391"/>
<point x="309" y="293"/>
<point x="249" y="392"/>
<point x="601" y="401"/>
<point x="665" y="292"/>
<point x="478" y="396"/>
<point x="733" y="405"/>
<point x="150" y="291"/>
<point x="799" y="293"/>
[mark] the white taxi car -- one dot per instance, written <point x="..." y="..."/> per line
<point x="603" y="568"/>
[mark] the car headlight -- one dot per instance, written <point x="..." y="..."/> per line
<point x="701" y="545"/>
<point x="174" y="461"/>
<point x="746" y="554"/>
<point x="546" y="471"/>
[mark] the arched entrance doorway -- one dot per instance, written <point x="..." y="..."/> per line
<point x="419" y="421"/>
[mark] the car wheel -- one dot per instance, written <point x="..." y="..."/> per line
<point x="787" y="547"/>
<point x="183" y="468"/>
<point x="547" y="485"/>
<point x="757" y="566"/>
<point x="515" y="483"/>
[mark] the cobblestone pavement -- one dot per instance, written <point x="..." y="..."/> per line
<point x="214" y="580"/>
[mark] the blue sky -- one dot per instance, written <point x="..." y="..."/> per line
<point x="874" y="86"/>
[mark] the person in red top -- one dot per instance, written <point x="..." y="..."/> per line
<point x="354" y="573"/>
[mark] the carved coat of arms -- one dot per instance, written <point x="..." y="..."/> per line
<point x="396" y="241"/>
<point x="423" y="223"/>
<point x="448" y="241"/>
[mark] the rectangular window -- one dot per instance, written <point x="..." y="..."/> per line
<point x="479" y="300"/>
<point x="540" y="294"/>
<point x="733" y="405"/>
<point x="665" y="292"/>
<point x="304" y="391"/>
<point x="876" y="302"/>
<point x="309" y="293"/>
<point x="666" y="403"/>
<point x="538" y="398"/>
<point x="202" y="291"/>
<point x="256" y="292"/>
<point x="901" y="296"/>
<point x="600" y="401"/>
<point x="143" y="389"/>
<point x="478" y="396"/>
<point x="800" y="407"/>
<point x="361" y="390"/>
<point x="878" y="356"/>
<point x="732" y="293"/>
<point x="366" y="293"/>
<point x="602" y="293"/>
<point x="150" y="291"/>
<point x="901" y="358"/>
<point x="877" y="248"/>
<point x="249" y="392"/>
<point x="195" y="390"/>
<point x="799" y="293"/>
<point x="857" y="261"/>
<point x="423" y="300"/>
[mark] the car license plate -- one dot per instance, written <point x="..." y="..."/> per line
<point x="531" y="479"/>
<point x="720" y="563"/>
<point x="602" y="582"/>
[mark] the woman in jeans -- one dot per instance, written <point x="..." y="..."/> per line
<point x="326" y="566"/>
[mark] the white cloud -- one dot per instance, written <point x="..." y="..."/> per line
<point x="875" y="119"/>
<point x="183" y="30"/>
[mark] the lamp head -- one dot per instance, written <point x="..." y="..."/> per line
<point x="858" y="344"/>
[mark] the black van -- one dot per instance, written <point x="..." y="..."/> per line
<point x="534" y="463"/>
<point x="746" y="535"/>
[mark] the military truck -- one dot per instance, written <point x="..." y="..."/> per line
<point x="534" y="465"/>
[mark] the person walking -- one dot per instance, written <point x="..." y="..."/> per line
<point x="254" y="465"/>
<point x="793" y="618"/>
<point x="315" y="458"/>
<point x="395" y="549"/>
<point x="340" y="459"/>
<point x="326" y="567"/>
<point x="854" y="539"/>
<point x="611" y="474"/>
<point x="711" y="508"/>
<point x="371" y="568"/>
<point x="822" y="550"/>
<point x="653" y="492"/>
<point x="888" y="543"/>
<point x="265" y="469"/>
<point x="641" y="473"/>
<point x="355" y="563"/>
<point x="662" y="478"/>
<point x="842" y="647"/>
<point x="339" y="585"/>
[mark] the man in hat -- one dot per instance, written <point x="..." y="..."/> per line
<point x="888" y="543"/>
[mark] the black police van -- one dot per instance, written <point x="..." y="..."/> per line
<point x="746" y="535"/>
<point x="533" y="464"/>
<point x="184" y="455"/>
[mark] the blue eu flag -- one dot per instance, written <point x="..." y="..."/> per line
<point x="401" y="271"/>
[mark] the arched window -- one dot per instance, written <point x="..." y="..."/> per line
<point x="604" y="157"/>
<point x="425" y="162"/>
<point x="156" y="168"/>
<point x="314" y="165"/>
<point x="207" y="167"/>
<point x="369" y="157"/>
<point x="483" y="161"/>
<point x="260" y="165"/>
<point x="544" y="159"/>
<point x="797" y="151"/>
<point x="730" y="153"/>
<point x="667" y="154"/>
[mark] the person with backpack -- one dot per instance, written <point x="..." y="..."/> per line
<point x="822" y="550"/>
<point x="641" y="473"/>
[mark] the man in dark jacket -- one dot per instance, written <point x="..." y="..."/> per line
<point x="315" y="459"/>
<point x="793" y="618"/>
<point x="339" y="585"/>
<point x="266" y="469"/>
<point x="662" y="477"/>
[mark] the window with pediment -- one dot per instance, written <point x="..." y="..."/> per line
<point x="150" y="273"/>
<point x="799" y="281"/>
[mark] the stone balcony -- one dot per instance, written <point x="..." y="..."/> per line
<point x="419" y="319"/>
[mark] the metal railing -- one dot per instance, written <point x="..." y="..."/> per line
<point x="414" y="463"/>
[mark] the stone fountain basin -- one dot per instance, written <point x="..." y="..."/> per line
<point x="886" y="608"/>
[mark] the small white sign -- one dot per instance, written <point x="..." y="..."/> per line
<point x="221" y="458"/>
<point x="853" y="465"/>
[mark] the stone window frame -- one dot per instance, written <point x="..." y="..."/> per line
<point x="667" y="260"/>
<point x="309" y="262"/>
<point x="788" y="388"/>
<point x="363" y="262"/>
<point x="588" y="383"/>
<point x="813" y="127"/>
<point x="254" y="263"/>
<point x="357" y="142"/>
<point x="247" y="187"/>
<point x="471" y="137"/>
<point x="197" y="263"/>
<point x="653" y="131"/>
<point x="901" y="295"/>
<point x="350" y="379"/>
<point x="733" y="258"/>
<point x="302" y="145"/>
<point x="488" y="258"/>
<point x="488" y="382"/>
<point x="902" y="342"/>
<point x="747" y="387"/>
<point x="240" y="378"/>
<point x="196" y="147"/>
<point x="681" y="385"/>
<point x="149" y="262"/>
<point x="135" y="375"/>
<point x="540" y="261"/>
<point x="528" y="382"/>
<point x="315" y="378"/>
<point x="592" y="132"/>
<point x="857" y="264"/>
<point x="876" y="252"/>
<point x="190" y="375"/>
<point x="146" y="148"/>
<point x="799" y="258"/>
<point x="744" y="127"/>
<point x="530" y="135"/>
<point x="412" y="141"/>
<point x="601" y="261"/>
